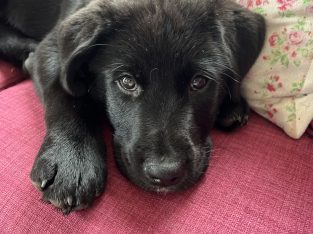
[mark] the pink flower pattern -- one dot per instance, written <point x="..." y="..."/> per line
<point x="296" y="37"/>
<point x="285" y="4"/>
<point x="288" y="47"/>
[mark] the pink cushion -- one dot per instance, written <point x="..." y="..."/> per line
<point x="259" y="181"/>
<point x="9" y="75"/>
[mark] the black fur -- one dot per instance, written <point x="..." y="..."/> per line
<point x="161" y="130"/>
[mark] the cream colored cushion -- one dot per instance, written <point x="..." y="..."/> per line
<point x="280" y="84"/>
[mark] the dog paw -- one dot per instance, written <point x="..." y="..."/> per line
<point x="69" y="175"/>
<point x="233" y="116"/>
<point x="28" y="63"/>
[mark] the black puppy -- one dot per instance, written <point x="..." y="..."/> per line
<point x="164" y="71"/>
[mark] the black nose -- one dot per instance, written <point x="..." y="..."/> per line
<point x="164" y="173"/>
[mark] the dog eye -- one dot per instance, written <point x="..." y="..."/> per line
<point x="128" y="83"/>
<point x="198" y="83"/>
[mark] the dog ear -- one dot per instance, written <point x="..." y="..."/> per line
<point x="246" y="35"/>
<point x="243" y="34"/>
<point x="77" y="37"/>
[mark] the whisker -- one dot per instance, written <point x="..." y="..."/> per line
<point x="102" y="44"/>
<point x="152" y="70"/>
<point x="232" y="78"/>
<point x="211" y="62"/>
<point x="118" y="67"/>
<point x="229" y="69"/>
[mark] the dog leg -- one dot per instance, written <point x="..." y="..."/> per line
<point x="14" y="46"/>
<point x="70" y="168"/>
<point x="234" y="111"/>
<point x="233" y="115"/>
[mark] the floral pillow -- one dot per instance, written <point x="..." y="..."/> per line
<point x="280" y="84"/>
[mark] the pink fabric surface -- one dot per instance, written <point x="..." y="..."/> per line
<point x="9" y="75"/>
<point x="258" y="181"/>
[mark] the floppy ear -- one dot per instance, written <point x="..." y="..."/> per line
<point x="248" y="37"/>
<point x="76" y="39"/>
<point x="243" y="34"/>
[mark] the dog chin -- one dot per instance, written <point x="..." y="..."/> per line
<point x="198" y="167"/>
<point x="164" y="190"/>
<point x="190" y="180"/>
<point x="185" y="184"/>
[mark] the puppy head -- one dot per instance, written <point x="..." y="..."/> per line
<point x="162" y="69"/>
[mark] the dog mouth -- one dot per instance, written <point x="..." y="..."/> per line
<point x="163" y="190"/>
<point x="133" y="170"/>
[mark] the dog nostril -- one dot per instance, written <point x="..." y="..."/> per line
<point x="164" y="174"/>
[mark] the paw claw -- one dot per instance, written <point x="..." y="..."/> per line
<point x="70" y="201"/>
<point x="66" y="211"/>
<point x="55" y="203"/>
<point x="43" y="184"/>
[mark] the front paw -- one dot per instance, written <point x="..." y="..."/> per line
<point x="70" y="173"/>
<point x="28" y="63"/>
<point x="233" y="115"/>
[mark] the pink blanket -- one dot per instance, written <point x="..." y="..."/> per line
<point x="9" y="75"/>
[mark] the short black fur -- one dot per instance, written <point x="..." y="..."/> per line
<point x="161" y="129"/>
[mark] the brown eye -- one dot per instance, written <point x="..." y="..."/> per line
<point x="128" y="83"/>
<point x="198" y="83"/>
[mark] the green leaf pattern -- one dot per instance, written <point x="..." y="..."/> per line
<point x="288" y="47"/>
